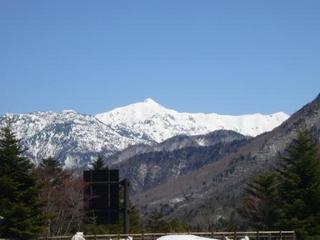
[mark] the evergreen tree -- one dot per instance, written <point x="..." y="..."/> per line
<point x="300" y="187"/>
<point x="51" y="165"/>
<point x="260" y="208"/>
<point x="289" y="199"/>
<point x="20" y="205"/>
<point x="98" y="164"/>
<point x="51" y="172"/>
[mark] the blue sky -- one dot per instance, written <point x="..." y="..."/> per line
<point x="229" y="57"/>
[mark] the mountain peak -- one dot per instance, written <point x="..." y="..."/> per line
<point x="149" y="100"/>
<point x="147" y="105"/>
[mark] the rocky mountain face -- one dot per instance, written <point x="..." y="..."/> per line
<point x="76" y="138"/>
<point x="68" y="136"/>
<point x="215" y="189"/>
<point x="149" y="166"/>
<point x="175" y="143"/>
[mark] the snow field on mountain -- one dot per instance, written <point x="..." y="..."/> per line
<point x="75" y="138"/>
<point x="150" y="119"/>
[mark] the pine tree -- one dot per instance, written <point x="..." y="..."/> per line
<point x="51" y="165"/>
<point x="98" y="164"/>
<point x="50" y="170"/>
<point x="20" y="205"/>
<point x="300" y="187"/>
<point x="260" y="208"/>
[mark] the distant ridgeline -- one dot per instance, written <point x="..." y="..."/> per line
<point x="75" y="138"/>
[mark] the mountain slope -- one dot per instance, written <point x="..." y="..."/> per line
<point x="174" y="143"/>
<point x="217" y="186"/>
<point x="176" y="156"/>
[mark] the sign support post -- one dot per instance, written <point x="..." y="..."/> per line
<point x="126" y="220"/>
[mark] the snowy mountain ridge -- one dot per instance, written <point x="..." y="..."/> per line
<point x="75" y="138"/>
<point x="150" y="119"/>
<point x="72" y="137"/>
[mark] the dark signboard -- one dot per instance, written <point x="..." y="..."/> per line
<point x="102" y="195"/>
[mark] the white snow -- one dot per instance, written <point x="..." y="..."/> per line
<point x="192" y="237"/>
<point x="68" y="134"/>
<point x="150" y="120"/>
<point x="177" y="200"/>
<point x="78" y="236"/>
<point x="183" y="237"/>
<point x="65" y="134"/>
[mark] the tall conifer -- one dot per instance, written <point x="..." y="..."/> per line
<point x="300" y="187"/>
<point x="20" y="205"/>
<point x="260" y="207"/>
<point x="98" y="164"/>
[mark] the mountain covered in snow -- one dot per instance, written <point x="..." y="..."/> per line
<point x="68" y="136"/>
<point x="152" y="122"/>
<point x="76" y="138"/>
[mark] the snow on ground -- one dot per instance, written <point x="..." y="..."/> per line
<point x="193" y="237"/>
<point x="184" y="237"/>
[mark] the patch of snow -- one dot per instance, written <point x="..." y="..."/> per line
<point x="184" y="237"/>
<point x="177" y="200"/>
<point x="78" y="236"/>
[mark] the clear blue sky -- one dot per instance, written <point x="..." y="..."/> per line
<point x="229" y="57"/>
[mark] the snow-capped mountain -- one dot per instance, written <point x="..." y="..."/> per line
<point x="72" y="137"/>
<point x="150" y="121"/>
<point x="75" y="138"/>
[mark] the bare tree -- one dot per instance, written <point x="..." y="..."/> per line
<point x="63" y="195"/>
